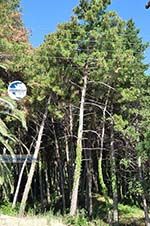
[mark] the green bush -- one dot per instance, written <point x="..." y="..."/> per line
<point x="6" y="209"/>
<point x="79" y="220"/>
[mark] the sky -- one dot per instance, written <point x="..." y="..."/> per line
<point x="42" y="16"/>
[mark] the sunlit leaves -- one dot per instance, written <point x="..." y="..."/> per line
<point x="20" y="115"/>
<point x="120" y="124"/>
<point x="130" y="94"/>
<point x="4" y="129"/>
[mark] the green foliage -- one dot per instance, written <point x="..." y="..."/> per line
<point x="7" y="145"/>
<point x="79" y="220"/>
<point x="128" y="213"/>
<point x="131" y="133"/>
<point x="120" y="124"/>
<point x="143" y="147"/>
<point x="130" y="94"/>
<point x="6" y="209"/>
<point x="90" y="10"/>
<point x="125" y="162"/>
<point x="13" y="43"/>
<point x="5" y="133"/>
<point x="3" y="129"/>
<point x="113" y="53"/>
<point x="135" y="187"/>
<point x="20" y="115"/>
<point x="1" y="180"/>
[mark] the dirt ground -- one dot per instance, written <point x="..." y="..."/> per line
<point x="27" y="221"/>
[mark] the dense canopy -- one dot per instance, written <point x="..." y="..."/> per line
<point x="85" y="120"/>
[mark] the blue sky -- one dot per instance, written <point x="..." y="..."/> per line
<point x="43" y="16"/>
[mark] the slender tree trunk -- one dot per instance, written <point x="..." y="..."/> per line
<point x="95" y="182"/>
<point x="69" y="172"/>
<point x="100" y="172"/>
<point x="33" y="164"/>
<point x="71" y="148"/>
<point x="67" y="148"/>
<point x="18" y="184"/>
<point x="115" y="214"/>
<point x="47" y="185"/>
<point x="41" y="182"/>
<point x="61" y="171"/>
<point x="147" y="218"/>
<point x="70" y="120"/>
<point x="78" y="161"/>
<point x="89" y="204"/>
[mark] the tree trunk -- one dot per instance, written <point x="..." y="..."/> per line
<point x="100" y="172"/>
<point x="69" y="171"/>
<point x="147" y="218"/>
<point x="18" y="184"/>
<point x="61" y="171"/>
<point x="115" y="214"/>
<point x="41" y="182"/>
<point x="78" y="161"/>
<point x="33" y="164"/>
<point x="71" y="147"/>
<point x="47" y="185"/>
<point x="89" y="204"/>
